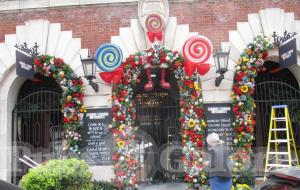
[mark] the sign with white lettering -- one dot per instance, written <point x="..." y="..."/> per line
<point x="97" y="137"/>
<point x="24" y="65"/>
<point x="288" y="54"/>
<point x="219" y="118"/>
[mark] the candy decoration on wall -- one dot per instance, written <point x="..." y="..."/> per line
<point x="197" y="50"/>
<point x="109" y="57"/>
<point x="112" y="77"/>
<point x="155" y="26"/>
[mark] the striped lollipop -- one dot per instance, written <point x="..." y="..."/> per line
<point x="154" y="23"/>
<point x="197" y="49"/>
<point x="109" y="57"/>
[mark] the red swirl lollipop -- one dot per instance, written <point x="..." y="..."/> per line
<point x="197" y="49"/>
<point x="154" y="23"/>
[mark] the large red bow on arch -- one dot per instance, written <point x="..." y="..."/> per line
<point x="190" y="68"/>
<point x="112" y="77"/>
<point x="152" y="36"/>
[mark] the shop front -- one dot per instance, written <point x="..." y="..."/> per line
<point x="147" y="123"/>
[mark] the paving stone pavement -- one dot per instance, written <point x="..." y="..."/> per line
<point x="166" y="186"/>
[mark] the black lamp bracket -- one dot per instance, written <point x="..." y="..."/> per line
<point x="92" y="83"/>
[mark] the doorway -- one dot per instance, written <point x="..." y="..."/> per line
<point x="37" y="124"/>
<point x="159" y="136"/>
<point x="275" y="86"/>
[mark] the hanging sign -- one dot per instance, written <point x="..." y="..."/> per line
<point x="24" y="65"/>
<point x="97" y="137"/>
<point x="288" y="54"/>
<point x="219" y="118"/>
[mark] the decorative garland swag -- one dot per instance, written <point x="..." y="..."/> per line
<point x="72" y="97"/>
<point x="250" y="63"/>
<point x="124" y="116"/>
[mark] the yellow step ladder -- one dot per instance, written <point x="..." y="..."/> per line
<point x="281" y="126"/>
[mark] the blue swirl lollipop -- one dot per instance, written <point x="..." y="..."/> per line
<point x="109" y="57"/>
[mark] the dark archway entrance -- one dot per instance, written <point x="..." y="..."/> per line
<point x="37" y="124"/>
<point x="159" y="137"/>
<point x="275" y="86"/>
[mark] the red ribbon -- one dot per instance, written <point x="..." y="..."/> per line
<point x="112" y="77"/>
<point x="152" y="36"/>
<point x="190" y="68"/>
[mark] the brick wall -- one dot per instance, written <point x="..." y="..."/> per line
<point x="95" y="24"/>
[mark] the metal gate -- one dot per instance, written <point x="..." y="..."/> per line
<point x="275" y="93"/>
<point x="159" y="139"/>
<point x="274" y="89"/>
<point x="37" y="124"/>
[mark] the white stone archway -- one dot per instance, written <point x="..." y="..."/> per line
<point x="266" y="21"/>
<point x="51" y="40"/>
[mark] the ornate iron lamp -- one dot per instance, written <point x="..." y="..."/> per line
<point x="89" y="69"/>
<point x="221" y="61"/>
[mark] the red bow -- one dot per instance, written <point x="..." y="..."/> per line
<point x="112" y="77"/>
<point x="152" y="36"/>
<point x="190" y="68"/>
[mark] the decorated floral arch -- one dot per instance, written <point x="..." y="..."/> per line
<point x="72" y="97"/>
<point x="250" y="63"/>
<point x="124" y="116"/>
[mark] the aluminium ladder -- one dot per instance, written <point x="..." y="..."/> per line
<point x="280" y="127"/>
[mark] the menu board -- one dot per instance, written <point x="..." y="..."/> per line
<point x="97" y="138"/>
<point x="219" y="118"/>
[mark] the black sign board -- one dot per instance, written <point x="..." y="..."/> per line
<point x="219" y="118"/>
<point x="24" y="65"/>
<point x="97" y="138"/>
<point x="288" y="54"/>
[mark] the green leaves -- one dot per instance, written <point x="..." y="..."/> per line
<point x="70" y="174"/>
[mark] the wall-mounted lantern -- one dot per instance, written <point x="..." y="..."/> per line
<point x="89" y="69"/>
<point x="221" y="61"/>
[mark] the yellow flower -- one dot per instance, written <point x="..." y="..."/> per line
<point x="121" y="127"/>
<point x="203" y="123"/>
<point x="69" y="98"/>
<point x="245" y="59"/>
<point x="244" y="88"/>
<point x="249" y="51"/>
<point x="121" y="144"/>
<point x="244" y="67"/>
<point x="62" y="74"/>
<point x="196" y="86"/>
<point x="83" y="109"/>
<point x="191" y="123"/>
<point x="232" y="95"/>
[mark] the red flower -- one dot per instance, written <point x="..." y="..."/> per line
<point x="266" y="54"/>
<point x="66" y="120"/>
<point x="237" y="90"/>
<point x="115" y="157"/>
<point x="75" y="118"/>
<point x="163" y="59"/>
<point x="58" y="62"/>
<point x="37" y="63"/>
<point x="239" y="76"/>
<point x="200" y="144"/>
<point x="235" y="109"/>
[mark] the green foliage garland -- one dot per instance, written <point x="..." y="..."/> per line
<point x="251" y="61"/>
<point x="72" y="98"/>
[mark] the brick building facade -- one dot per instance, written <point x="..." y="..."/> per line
<point x="67" y="28"/>
<point x="95" y="24"/>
